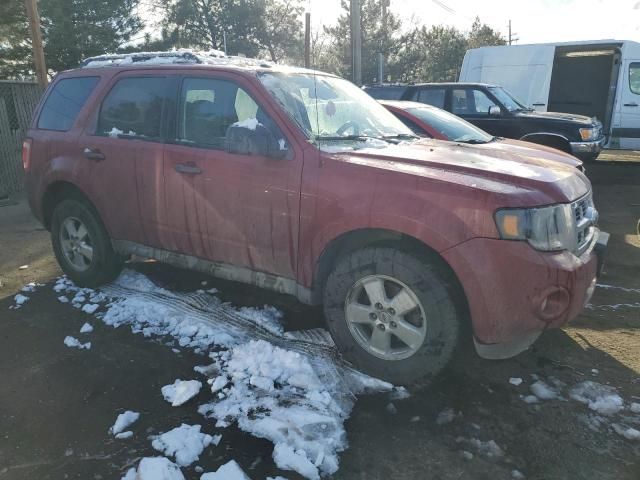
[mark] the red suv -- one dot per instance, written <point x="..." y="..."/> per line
<point x="299" y="182"/>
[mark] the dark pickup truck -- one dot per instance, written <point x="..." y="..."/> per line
<point x="496" y="111"/>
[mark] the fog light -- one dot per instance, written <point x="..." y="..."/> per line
<point x="553" y="303"/>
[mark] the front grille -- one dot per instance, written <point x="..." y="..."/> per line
<point x="585" y="218"/>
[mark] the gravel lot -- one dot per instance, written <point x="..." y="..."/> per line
<point x="57" y="403"/>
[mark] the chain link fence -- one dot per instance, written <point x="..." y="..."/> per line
<point x="17" y="102"/>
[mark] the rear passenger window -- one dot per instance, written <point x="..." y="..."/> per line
<point x="63" y="104"/>
<point x="134" y="107"/>
<point x="431" y="96"/>
<point x="208" y="107"/>
<point x="634" y="77"/>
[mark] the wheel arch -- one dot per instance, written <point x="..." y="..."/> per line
<point x="58" y="191"/>
<point x="353" y="240"/>
<point x="554" y="140"/>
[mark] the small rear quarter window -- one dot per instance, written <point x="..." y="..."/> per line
<point x="65" y="101"/>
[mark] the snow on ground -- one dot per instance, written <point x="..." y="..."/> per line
<point x="19" y="300"/>
<point x="90" y="308"/>
<point x="599" y="398"/>
<point x="86" y="328"/>
<point x="515" y="381"/>
<point x="155" y="468"/>
<point x="185" y="443"/>
<point x="73" y="342"/>
<point x="31" y="287"/>
<point x="124" y="421"/>
<point x="124" y="435"/>
<point x="181" y="391"/>
<point x="229" y="471"/>
<point x="543" y="391"/>
<point x="290" y="388"/>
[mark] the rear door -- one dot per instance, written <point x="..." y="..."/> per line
<point x="122" y="150"/>
<point x="236" y="209"/>
<point x="626" y="131"/>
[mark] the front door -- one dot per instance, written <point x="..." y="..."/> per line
<point x="626" y="131"/>
<point x="237" y="209"/>
<point x="473" y="105"/>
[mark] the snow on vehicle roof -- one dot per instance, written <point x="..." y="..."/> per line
<point x="183" y="56"/>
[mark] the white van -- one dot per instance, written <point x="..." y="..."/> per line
<point x="595" y="78"/>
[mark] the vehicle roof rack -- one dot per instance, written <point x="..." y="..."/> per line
<point x="182" y="56"/>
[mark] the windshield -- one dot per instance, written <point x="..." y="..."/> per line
<point x="332" y="109"/>
<point x="509" y="102"/>
<point x="451" y="126"/>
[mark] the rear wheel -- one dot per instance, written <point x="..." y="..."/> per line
<point x="392" y="314"/>
<point x="82" y="246"/>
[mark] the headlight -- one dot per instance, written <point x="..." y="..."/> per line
<point x="546" y="228"/>
<point x="588" y="134"/>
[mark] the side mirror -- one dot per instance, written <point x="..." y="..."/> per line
<point x="495" y="111"/>
<point x="253" y="138"/>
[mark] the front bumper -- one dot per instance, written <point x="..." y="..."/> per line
<point x="587" y="148"/>
<point x="515" y="292"/>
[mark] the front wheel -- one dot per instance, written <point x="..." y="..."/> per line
<point x="82" y="245"/>
<point x="393" y="314"/>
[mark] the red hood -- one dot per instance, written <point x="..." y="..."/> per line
<point x="507" y="168"/>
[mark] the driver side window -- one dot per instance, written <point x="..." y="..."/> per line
<point x="208" y="107"/>
<point x="471" y="102"/>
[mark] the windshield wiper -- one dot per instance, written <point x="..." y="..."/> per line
<point x="347" y="137"/>
<point x="401" y="136"/>
<point x="473" y="141"/>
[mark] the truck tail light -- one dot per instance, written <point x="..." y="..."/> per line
<point x="26" y="154"/>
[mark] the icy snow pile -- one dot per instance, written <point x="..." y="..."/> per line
<point x="123" y="422"/>
<point x="181" y="391"/>
<point x="229" y="471"/>
<point x="73" y="342"/>
<point x="599" y="398"/>
<point x="290" y="388"/>
<point x="155" y="468"/>
<point x="86" y="328"/>
<point x="20" y="301"/>
<point x="185" y="443"/>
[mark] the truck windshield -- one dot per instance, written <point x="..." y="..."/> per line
<point x="509" y="102"/>
<point x="332" y="109"/>
<point x="451" y="126"/>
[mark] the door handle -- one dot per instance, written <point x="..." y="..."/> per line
<point x="634" y="104"/>
<point x="188" y="169"/>
<point x="538" y="104"/>
<point x="93" y="154"/>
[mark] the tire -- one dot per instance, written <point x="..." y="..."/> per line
<point x="104" y="264"/>
<point x="425" y="281"/>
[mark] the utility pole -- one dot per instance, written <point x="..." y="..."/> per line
<point x="356" y="42"/>
<point x="36" y="41"/>
<point x="512" y="37"/>
<point x="307" y="40"/>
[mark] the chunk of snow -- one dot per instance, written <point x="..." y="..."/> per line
<point x="124" y="435"/>
<point x="399" y="393"/>
<point x="515" y="381"/>
<point x="599" y="398"/>
<point x="250" y="123"/>
<point x="635" y="407"/>
<point x="90" y="308"/>
<point x="73" y="342"/>
<point x="595" y="371"/>
<point x="219" y="383"/>
<point x="123" y="421"/>
<point x="216" y="439"/>
<point x="391" y="408"/>
<point x="63" y="299"/>
<point x="517" y="474"/>
<point x="447" y="415"/>
<point x="629" y="433"/>
<point x="185" y="443"/>
<point x="229" y="471"/>
<point x="31" y="287"/>
<point x="287" y="458"/>
<point x="467" y="455"/>
<point x="86" y="328"/>
<point x="543" y="391"/>
<point x="489" y="449"/>
<point x="530" y="399"/>
<point x="415" y="419"/>
<point x="181" y="391"/>
<point x="20" y="299"/>
<point x="157" y="468"/>
<point x="130" y="475"/>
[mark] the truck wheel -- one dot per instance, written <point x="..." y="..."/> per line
<point x="82" y="245"/>
<point x="392" y="314"/>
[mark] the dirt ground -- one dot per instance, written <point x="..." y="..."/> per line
<point x="57" y="403"/>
